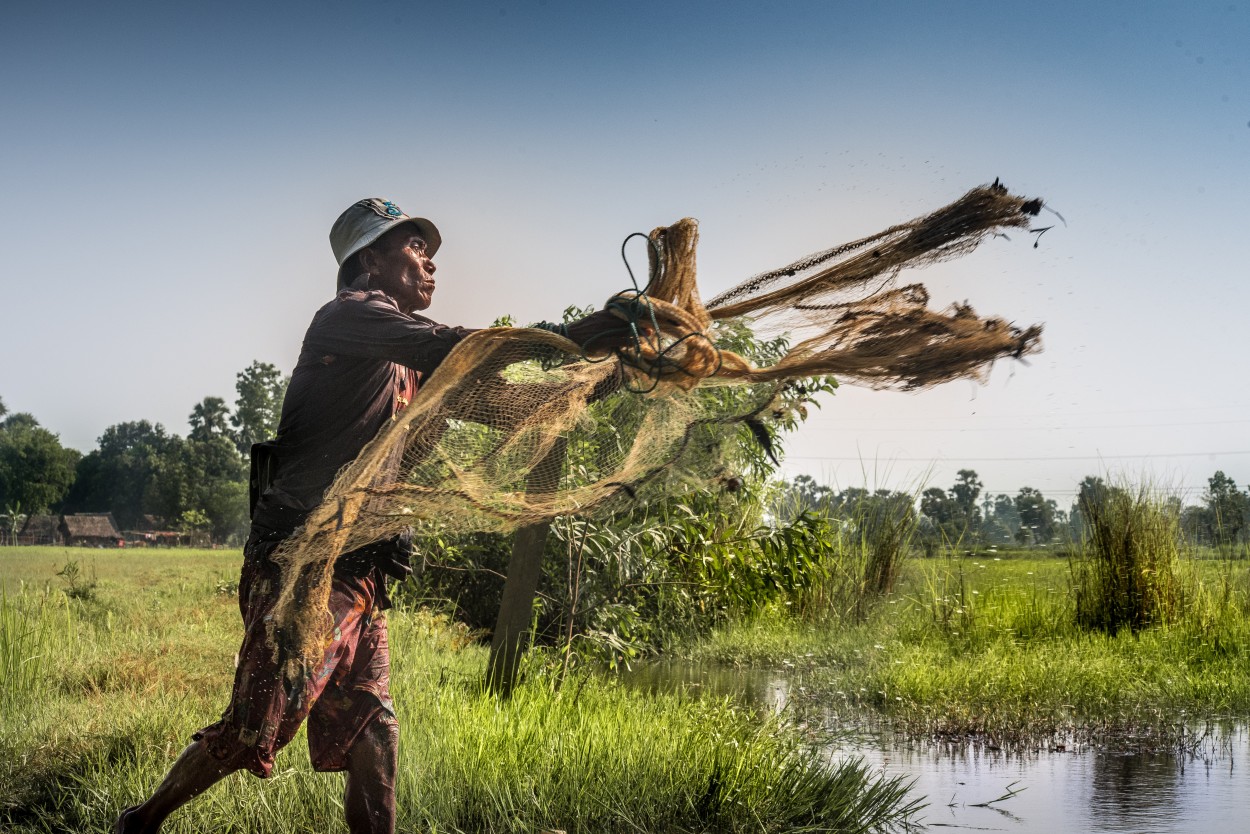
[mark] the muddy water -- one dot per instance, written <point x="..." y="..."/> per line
<point x="1037" y="791"/>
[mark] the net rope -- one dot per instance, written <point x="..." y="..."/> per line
<point x="520" y="425"/>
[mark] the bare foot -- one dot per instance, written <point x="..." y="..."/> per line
<point x="128" y="822"/>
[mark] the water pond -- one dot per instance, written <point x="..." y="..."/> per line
<point x="971" y="787"/>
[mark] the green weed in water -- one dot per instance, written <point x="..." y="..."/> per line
<point x="990" y="645"/>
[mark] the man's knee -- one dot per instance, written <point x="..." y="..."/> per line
<point x="379" y="736"/>
<point x="386" y="728"/>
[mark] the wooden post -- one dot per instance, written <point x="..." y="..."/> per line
<point x="516" y="609"/>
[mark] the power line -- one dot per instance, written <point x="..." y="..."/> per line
<point x="945" y="458"/>
<point x="924" y="428"/>
<point x="1243" y="407"/>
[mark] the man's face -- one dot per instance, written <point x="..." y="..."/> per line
<point x="399" y="266"/>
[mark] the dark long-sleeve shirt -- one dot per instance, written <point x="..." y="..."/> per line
<point x="361" y="363"/>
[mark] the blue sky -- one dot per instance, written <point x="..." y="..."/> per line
<point x="170" y="172"/>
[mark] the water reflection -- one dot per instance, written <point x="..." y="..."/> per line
<point x="758" y="688"/>
<point x="971" y="787"/>
<point x="1118" y="784"/>
<point x="1094" y="790"/>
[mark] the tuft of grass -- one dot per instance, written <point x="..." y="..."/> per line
<point x="859" y="559"/>
<point x="1126" y="572"/>
<point x="34" y="630"/>
<point x="596" y="756"/>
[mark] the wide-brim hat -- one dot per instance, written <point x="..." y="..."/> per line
<point x="366" y="221"/>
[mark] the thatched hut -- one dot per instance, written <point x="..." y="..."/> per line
<point x="41" y="529"/>
<point x="91" y="530"/>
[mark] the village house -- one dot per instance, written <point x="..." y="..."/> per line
<point x="41" y="529"/>
<point x="91" y="530"/>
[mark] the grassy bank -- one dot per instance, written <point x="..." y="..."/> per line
<point x="990" y="644"/>
<point x="109" y="668"/>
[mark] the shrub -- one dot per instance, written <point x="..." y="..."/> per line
<point x="1125" y="574"/>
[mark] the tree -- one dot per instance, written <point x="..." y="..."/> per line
<point x="20" y="420"/>
<point x="1037" y="514"/>
<point x="809" y="494"/>
<point x="210" y="418"/>
<point x="938" y="519"/>
<point x="135" y="471"/>
<point x="35" y="470"/>
<point x="964" y="493"/>
<point x="261" y="388"/>
<point x="954" y="513"/>
<point x="938" y="506"/>
<point x="140" y="469"/>
<point x="1196" y="525"/>
<point x="1227" y="508"/>
<point x="999" y="519"/>
<point x="1092" y="494"/>
<point x="801" y="495"/>
<point x="212" y="483"/>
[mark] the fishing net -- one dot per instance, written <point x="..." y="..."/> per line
<point x="520" y="425"/>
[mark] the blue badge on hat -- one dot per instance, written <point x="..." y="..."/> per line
<point x="382" y="208"/>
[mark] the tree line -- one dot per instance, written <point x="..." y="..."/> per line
<point x="138" y="469"/>
<point x="198" y="483"/>
<point x="966" y="514"/>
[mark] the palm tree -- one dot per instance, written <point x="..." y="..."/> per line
<point x="210" y="418"/>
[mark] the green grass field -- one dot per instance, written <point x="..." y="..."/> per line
<point x="105" y="673"/>
<point x="988" y="644"/>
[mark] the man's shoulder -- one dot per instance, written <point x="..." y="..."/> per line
<point x="363" y="312"/>
<point x="351" y="305"/>
<point x="356" y="299"/>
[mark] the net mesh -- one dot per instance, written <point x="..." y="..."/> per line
<point x="520" y="425"/>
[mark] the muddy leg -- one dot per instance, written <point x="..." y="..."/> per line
<point x="194" y="772"/>
<point x="371" y="766"/>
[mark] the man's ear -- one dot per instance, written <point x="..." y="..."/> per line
<point x="368" y="259"/>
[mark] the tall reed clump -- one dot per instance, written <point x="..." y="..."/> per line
<point x="34" y="631"/>
<point x="1125" y="574"/>
<point x="862" y="559"/>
